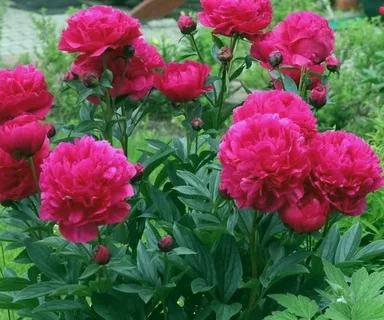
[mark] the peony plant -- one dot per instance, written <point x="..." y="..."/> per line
<point x="216" y="224"/>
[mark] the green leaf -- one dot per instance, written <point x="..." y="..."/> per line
<point x="13" y="284"/>
<point x="6" y="302"/>
<point x="334" y="276"/>
<point x="46" y="261"/>
<point x="371" y="251"/>
<point x="202" y="262"/>
<point x="328" y="247"/>
<point x="289" y="84"/>
<point x="145" y="265"/>
<point x="156" y="160"/>
<point x="38" y="290"/>
<point x="218" y="42"/>
<point x="339" y="311"/>
<point x="145" y="294"/>
<point x="281" y="315"/>
<point x="197" y="205"/>
<point x="298" y="305"/>
<point x="90" y="270"/>
<point x="109" y="308"/>
<point x="228" y="267"/>
<point x="348" y="244"/>
<point x="195" y="182"/>
<point x="180" y="251"/>
<point x="200" y="285"/>
<point x="237" y="73"/>
<point x="164" y="206"/>
<point x="225" y="311"/>
<point x="90" y="125"/>
<point x="60" y="306"/>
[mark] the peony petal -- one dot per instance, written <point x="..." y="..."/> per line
<point x="78" y="234"/>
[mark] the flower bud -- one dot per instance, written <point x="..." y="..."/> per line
<point x="224" y="192"/>
<point x="197" y="124"/>
<point x="225" y="54"/>
<point x="166" y="244"/>
<point x="139" y="172"/>
<point x="102" y="255"/>
<point x="70" y="76"/>
<point x="381" y="10"/>
<point x="318" y="97"/>
<point x="275" y="59"/>
<point x="333" y="64"/>
<point x="51" y="132"/>
<point x="128" y="52"/>
<point x="91" y="80"/>
<point x="186" y="24"/>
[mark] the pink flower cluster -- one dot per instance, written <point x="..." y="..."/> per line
<point x="108" y="38"/>
<point x="304" y="39"/>
<point x="273" y="158"/>
<point x="24" y="101"/>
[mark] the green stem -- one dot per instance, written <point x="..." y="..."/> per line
<point x="166" y="276"/>
<point x="281" y="78"/>
<point x="220" y="100"/>
<point x="302" y="82"/>
<point x="34" y="174"/>
<point x="109" y="117"/>
<point x="194" y="44"/>
<point x="187" y="131"/>
<point x="86" y="250"/>
<point x="253" y="251"/>
<point x="234" y="42"/>
<point x="196" y="143"/>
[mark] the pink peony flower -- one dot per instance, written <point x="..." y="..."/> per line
<point x="85" y="185"/>
<point x="264" y="162"/>
<point x="264" y="45"/>
<point x="16" y="179"/>
<point x="381" y="10"/>
<point x="308" y="215"/>
<point x="285" y="104"/>
<point x="23" y="136"/>
<point x="247" y="17"/>
<point x="307" y="36"/>
<point x="183" y="82"/>
<point x="23" y="90"/>
<point x="345" y="169"/>
<point x="139" y="74"/>
<point x="186" y="24"/>
<point x="94" y="30"/>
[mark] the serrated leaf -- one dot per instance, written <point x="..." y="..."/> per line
<point x="334" y="276"/>
<point x="281" y="315"/>
<point x="298" y="305"/>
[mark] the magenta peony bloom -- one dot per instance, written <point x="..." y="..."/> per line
<point x="247" y="17"/>
<point x="264" y="45"/>
<point x="16" y="179"/>
<point x="23" y="90"/>
<point x="308" y="215"/>
<point x="345" y="169"/>
<point x="186" y="24"/>
<point x="264" y="162"/>
<point x="23" y="136"/>
<point x="94" y="30"/>
<point x="85" y="185"/>
<point x="139" y="76"/>
<point x="307" y="36"/>
<point x="285" y="104"/>
<point x="182" y="82"/>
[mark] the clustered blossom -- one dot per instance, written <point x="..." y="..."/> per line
<point x="304" y="39"/>
<point x="245" y="17"/>
<point x="273" y="158"/>
<point x="24" y="101"/>
<point x="84" y="185"/>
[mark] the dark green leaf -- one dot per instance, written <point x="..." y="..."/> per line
<point x="228" y="267"/>
<point x="237" y="73"/>
<point x="225" y="311"/>
<point x="13" y="284"/>
<point x="371" y="251"/>
<point x="60" y="306"/>
<point x="348" y="244"/>
<point x="200" y="285"/>
<point x="90" y="270"/>
<point x="328" y="247"/>
<point x="38" y="290"/>
<point x="218" y="42"/>
<point x="145" y="265"/>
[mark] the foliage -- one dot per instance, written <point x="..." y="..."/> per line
<point x="359" y="298"/>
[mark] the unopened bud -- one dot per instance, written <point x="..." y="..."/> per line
<point x="197" y="124"/>
<point x="166" y="244"/>
<point x="333" y="64"/>
<point x="186" y="24"/>
<point x="102" y="255"/>
<point x="91" y="80"/>
<point x="139" y="172"/>
<point x="275" y="59"/>
<point x="225" y="54"/>
<point x="128" y="52"/>
<point x="318" y="97"/>
<point x="51" y="131"/>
